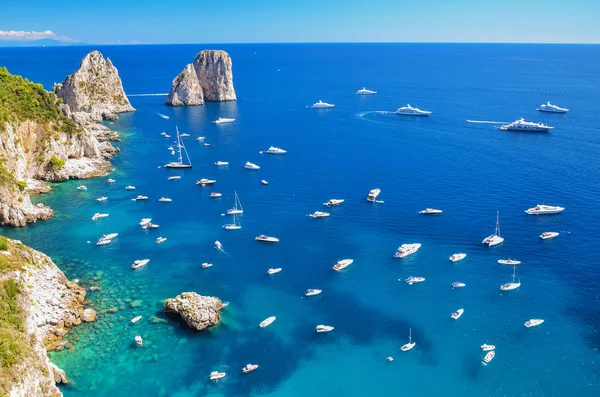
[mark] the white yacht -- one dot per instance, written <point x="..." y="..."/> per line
<point x="218" y="245"/>
<point x="111" y="181"/>
<point x="206" y="182"/>
<point x="215" y="195"/>
<point x="458" y="257"/>
<point x="373" y="194"/>
<point x="411" y="280"/>
<point x="164" y="116"/>
<point x="267" y="321"/>
<point x="456" y="315"/>
<point x="322" y="105"/>
<point x="145" y="221"/>
<point x="264" y="182"/>
<point x="274" y="270"/>
<point x="494" y="239"/>
<point x="526" y="126"/>
<point x="407" y="249"/>
<point x="140" y="263"/>
<point x="135" y="319"/>
<point x="408" y="346"/>
<point x="99" y="216"/>
<point x="319" y="214"/>
<point x="534" y="322"/>
<point x="334" y="202"/>
<point x="216" y="375"/>
<point x="222" y="120"/>
<point x="129" y="187"/>
<point x="324" y="328"/>
<point x="174" y="178"/>
<point x="364" y="91"/>
<point x="312" y="292"/>
<point x="458" y="284"/>
<point x="275" y="150"/>
<point x="266" y="239"/>
<point x="151" y="226"/>
<point x="81" y="187"/>
<point x="547" y="235"/>
<point x="138" y="340"/>
<point x="509" y="261"/>
<point x="237" y="206"/>
<point x="103" y="198"/>
<point x="550" y="108"/>
<point x="249" y="368"/>
<point x="206" y="265"/>
<point x="206" y="144"/>
<point x="410" y="111"/>
<point x="140" y="198"/>
<point x="221" y="163"/>
<point x="430" y="211"/>
<point x="514" y="284"/>
<point x="251" y="166"/>
<point x="165" y="200"/>
<point x="542" y="209"/>
<point x="161" y="240"/>
<point x="486" y="348"/>
<point x="179" y="163"/>
<point x="489" y="357"/>
<point x="106" y="238"/>
<point x="233" y="226"/>
<point x="200" y="138"/>
<point x="344" y="263"/>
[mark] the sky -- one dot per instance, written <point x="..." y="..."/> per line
<point x="268" y="21"/>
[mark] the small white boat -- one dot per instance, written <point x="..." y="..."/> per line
<point x="206" y="182"/>
<point x="408" y="346"/>
<point x="550" y="108"/>
<point x="174" y="178"/>
<point x="494" y="239"/>
<point x="264" y="182"/>
<point x="547" y="235"/>
<point x="222" y="120"/>
<point x="103" y="242"/>
<point x="151" y="226"/>
<point x="161" y="240"/>
<point x="334" y="202"/>
<point x="458" y="284"/>
<point x="273" y="270"/>
<point x="237" y="206"/>
<point x="140" y="263"/>
<point x="111" y="181"/>
<point x="81" y="187"/>
<point x="489" y="357"/>
<point x="509" y="262"/>
<point x="215" y="195"/>
<point x="534" y="322"/>
<point x="200" y="138"/>
<point x="266" y="239"/>
<point x="542" y="209"/>
<point x="430" y="211"/>
<point x="216" y="375"/>
<point x="275" y="150"/>
<point x="322" y="105"/>
<point x="456" y="315"/>
<point x="344" y="263"/>
<point x="129" y="187"/>
<point x="526" y="126"/>
<point x="251" y="166"/>
<point x="145" y="221"/>
<point x="218" y="245"/>
<point x="206" y="265"/>
<point x="103" y="198"/>
<point x="312" y="292"/>
<point x="411" y="280"/>
<point x="411" y="111"/>
<point x="170" y="148"/>
<point x="167" y="136"/>
<point x="249" y="368"/>
<point x="324" y="328"/>
<point x="163" y="133"/>
<point x="267" y="321"/>
<point x="373" y="195"/>
<point x="109" y="236"/>
<point x="390" y="358"/>
<point x="221" y="163"/>
<point x="135" y="319"/>
<point x="138" y="340"/>
<point x="184" y="135"/>
<point x="364" y="91"/>
<point x="99" y="216"/>
<point x="140" y="198"/>
<point x="206" y="144"/>
<point x="319" y="214"/>
<point x="407" y="249"/>
<point x="165" y="200"/>
<point x="512" y="285"/>
<point x="486" y="348"/>
<point x="457" y="257"/>
<point x="164" y="116"/>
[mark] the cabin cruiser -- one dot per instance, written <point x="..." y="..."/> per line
<point x="411" y="280"/>
<point x="106" y="238"/>
<point x="205" y="182"/>
<point x="344" y="263"/>
<point x="486" y="348"/>
<point x="550" y="108"/>
<point x="273" y="270"/>
<point x="99" y="216"/>
<point x="489" y="357"/>
<point x="322" y="105"/>
<point x="494" y="239"/>
<point x="140" y="198"/>
<point x="138" y="340"/>
<point x="526" y="126"/>
<point x="275" y="150"/>
<point x="542" y="209"/>
<point x="218" y="245"/>
<point x="266" y="239"/>
<point x="267" y="321"/>
<point x="251" y="166"/>
<point x="457" y="257"/>
<point x="430" y="211"/>
<point x="264" y="182"/>
<point x="456" y="315"/>
<point x="129" y="187"/>
<point x="103" y="198"/>
<point x="145" y="221"/>
<point x="81" y="187"/>
<point x="215" y="195"/>
<point x="319" y="214"/>
<point x="373" y="195"/>
<point x="221" y="163"/>
<point x="206" y="265"/>
<point x="135" y="319"/>
<point x="174" y="178"/>
<point x="111" y="181"/>
<point x="312" y="292"/>
<point x="249" y="368"/>
<point x="324" y="328"/>
<point x="216" y="375"/>
<point x="165" y="200"/>
<point x="334" y="202"/>
<point x="458" y="284"/>
<point x="161" y="240"/>
<point x="534" y="322"/>
<point x="410" y="111"/>
<point x="222" y="120"/>
<point x="407" y="249"/>
<point x="139" y="263"/>
<point x="364" y="91"/>
<point x="509" y="262"/>
<point x="547" y="235"/>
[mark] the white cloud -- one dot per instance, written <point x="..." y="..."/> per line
<point x="29" y="35"/>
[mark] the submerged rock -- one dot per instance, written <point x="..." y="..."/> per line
<point x="198" y="312"/>
<point x="88" y="315"/>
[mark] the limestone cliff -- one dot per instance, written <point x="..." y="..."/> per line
<point x="95" y="91"/>
<point x="208" y="78"/>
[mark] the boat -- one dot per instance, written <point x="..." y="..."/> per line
<point x="233" y="226"/>
<point x="206" y="144"/>
<point x="81" y="187"/>
<point x="200" y="138"/>
<point x="512" y="285"/>
<point x="534" y="322"/>
<point x="167" y="136"/>
<point x="237" y="206"/>
<point x="111" y="181"/>
<point x="457" y="257"/>
<point x="364" y="91"/>
<point x="408" y="346"/>
<point x="206" y="265"/>
<point x="545" y="235"/>
<point x="344" y="263"/>
<point x="489" y="357"/>
<point x="273" y="270"/>
<point x="486" y="348"/>
<point x="140" y="198"/>
<point x="145" y="221"/>
<point x="334" y="202"/>
<point x="221" y="163"/>
<point x="109" y="236"/>
<point x="150" y="226"/>
<point x="312" y="292"/>
<point x="179" y="163"/>
<point x="407" y="249"/>
<point x="373" y="195"/>
<point x="430" y="211"/>
<point x="184" y="135"/>
<point x="165" y="200"/>
<point x="99" y="216"/>
<point x="135" y="319"/>
<point x="411" y="111"/>
<point x="509" y="262"/>
<point x="324" y="328"/>
<point x="218" y="245"/>
<point x="319" y="214"/>
<point x="103" y="198"/>
<point x="222" y="120"/>
<point x="170" y="148"/>
<point x="103" y="242"/>
<point x="160" y="240"/>
<point x="456" y="315"/>
<point x="458" y="284"/>
<point x="267" y="321"/>
<point x="249" y="368"/>
<point x="140" y="263"/>
<point x="174" y="178"/>
<point x="129" y="187"/>
<point x="206" y="182"/>
<point x="550" y="108"/>
<point x="275" y="150"/>
<point x="322" y="105"/>
<point x="251" y="166"/>
<point x="215" y="195"/>
<point x="494" y="239"/>
<point x="411" y="280"/>
<point x="216" y="375"/>
<point x="526" y="126"/>
<point x="138" y="340"/>
<point x="164" y="116"/>
<point x="266" y="239"/>
<point x="542" y="209"/>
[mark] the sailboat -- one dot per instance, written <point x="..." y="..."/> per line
<point x="410" y="343"/>
<point x="179" y="163"/>
<point x="233" y="226"/>
<point x="494" y="239"/>
<point x="237" y="206"/>
<point x="513" y="285"/>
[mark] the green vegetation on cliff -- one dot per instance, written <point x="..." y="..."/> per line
<point x="56" y="163"/>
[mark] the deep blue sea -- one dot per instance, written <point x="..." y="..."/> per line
<point x="469" y="170"/>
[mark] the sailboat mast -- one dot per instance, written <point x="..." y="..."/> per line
<point x="497" y="223"/>
<point x="410" y="335"/>
<point x="179" y="145"/>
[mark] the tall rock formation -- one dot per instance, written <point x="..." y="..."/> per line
<point x="95" y="91"/>
<point x="209" y="78"/>
<point x="198" y="312"/>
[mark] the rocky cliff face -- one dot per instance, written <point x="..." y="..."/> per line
<point x="95" y="91"/>
<point x="209" y="78"/>
<point x="198" y="312"/>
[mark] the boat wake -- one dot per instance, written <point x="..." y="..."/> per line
<point x="158" y="94"/>
<point x="487" y="122"/>
<point x="375" y="116"/>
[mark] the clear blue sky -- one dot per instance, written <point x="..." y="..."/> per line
<point x="238" y="21"/>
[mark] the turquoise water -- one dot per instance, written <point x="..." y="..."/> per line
<point x="468" y="170"/>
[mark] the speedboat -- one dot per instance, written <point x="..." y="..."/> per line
<point x="129" y="187"/>
<point x="111" y="181"/>
<point x="407" y="249"/>
<point x="456" y="315"/>
<point x="457" y="257"/>
<point x="411" y="280"/>
<point x="550" y="108"/>
<point x="364" y="91"/>
<point x="494" y="239"/>
<point x="264" y="182"/>
<point x="135" y="319"/>
<point x="103" y="198"/>
<point x="81" y="187"/>
<point x="251" y="166"/>
<point x="237" y="206"/>
<point x="206" y="144"/>
<point x="174" y="178"/>
<point x="164" y="116"/>
<point x="410" y="111"/>
<point x="319" y="214"/>
<point x="408" y="346"/>
<point x="138" y="340"/>
<point x="216" y="375"/>
<point x="200" y="138"/>
<point x="109" y="236"/>
<point x="324" y="328"/>
<point x="167" y="136"/>
<point x="275" y="150"/>
<point x="140" y="263"/>
<point x="206" y="182"/>
<point x="489" y="357"/>
<point x="145" y="221"/>
<point x="165" y="200"/>
<point x="542" y="209"/>
<point x="161" y="240"/>
<point x="222" y="120"/>
<point x="221" y="163"/>
<point x="99" y="216"/>
<point x="322" y="105"/>
<point x="150" y="226"/>
<point x="509" y="262"/>
<point x="273" y="270"/>
<point x="334" y="202"/>
<point x="547" y="235"/>
<point x="430" y="211"/>
<point x="373" y="195"/>
<point x="344" y="263"/>
<point x="312" y="292"/>
<point x="171" y="149"/>
<point x="184" y="135"/>
<point x="218" y="245"/>
<point x="206" y="265"/>
<point x="215" y="195"/>
<point x="526" y="126"/>
<point x="249" y="368"/>
<point x="534" y="322"/>
<point x="140" y="198"/>
<point x="267" y="321"/>
<point x="486" y="348"/>
<point x="103" y="241"/>
<point x="266" y="239"/>
<point x="458" y="284"/>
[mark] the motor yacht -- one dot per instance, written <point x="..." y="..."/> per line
<point x="267" y="321"/>
<point x="251" y="166"/>
<point x="129" y="187"/>
<point x="408" y="346"/>
<point x="526" y="126"/>
<point x="206" y="144"/>
<point x="161" y="240"/>
<point x="274" y="270"/>
<point x="364" y="91"/>
<point x="534" y="322"/>
<point x="266" y="239"/>
<point x="145" y="221"/>
<point x="206" y="182"/>
<point x="221" y="163"/>
<point x="373" y="195"/>
<point x="138" y="340"/>
<point x="407" y="249"/>
<point x="547" y="235"/>
<point x="99" y="216"/>
<point x="140" y="263"/>
<point x="81" y="187"/>
<point x="222" y="120"/>
<point x="324" y="328"/>
<point x="174" y="178"/>
<point x="344" y="263"/>
<point x="322" y="105"/>
<point x="509" y="262"/>
<point x="319" y="214"/>
<point x="489" y="357"/>
<point x="216" y="375"/>
<point x="275" y="150"/>
<point x="457" y="257"/>
<point x="103" y="198"/>
<point x="151" y="226"/>
<point x="411" y="280"/>
<point x="184" y="135"/>
<point x="167" y="136"/>
<point x="109" y="236"/>
<point x="458" y="284"/>
<point x="334" y="202"/>
<point x="111" y="181"/>
<point x="312" y="292"/>
<point x="430" y="211"/>
<point x="411" y="111"/>
<point x="456" y="315"/>
<point x="550" y="108"/>
<point x="215" y="195"/>
<point x="103" y="241"/>
<point x="164" y="116"/>
<point x="140" y="198"/>
<point x="165" y="200"/>
<point x="218" y="245"/>
<point x="494" y="239"/>
<point x="486" y="348"/>
<point x="249" y="368"/>
<point x="542" y="209"/>
<point x="206" y="265"/>
<point x="135" y="319"/>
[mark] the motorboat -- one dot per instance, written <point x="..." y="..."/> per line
<point x="103" y="242"/>
<point x="140" y="198"/>
<point x="411" y="280"/>
<point x="489" y="357"/>
<point x="514" y="284"/>
<point x="184" y="135"/>
<point x="264" y="182"/>
<point x="273" y="270"/>
<point x="165" y="200"/>
<point x="237" y="206"/>
<point x="174" y="178"/>
<point x="486" y="348"/>
<point x="319" y="214"/>
<point x="334" y="202"/>
<point x="140" y="263"/>
<point x="430" y="211"/>
<point x="547" y="235"/>
<point x="457" y="257"/>
<point x="267" y="321"/>
<point x="206" y="265"/>
<point x="103" y="198"/>
<point x="222" y="120"/>
<point x="216" y="375"/>
<point x="167" y="136"/>
<point x="411" y="111"/>
<point x="200" y="138"/>
<point x="494" y="239"/>
<point x="111" y="181"/>
<point x="151" y="226"/>
<point x="322" y="105"/>
<point x="407" y="249"/>
<point x="135" y="319"/>
<point x="129" y="187"/>
<point x="275" y="150"/>
<point x="145" y="221"/>
<point x="249" y="368"/>
<point x="344" y="263"/>
<point x="233" y="226"/>
<point x="364" y="91"/>
<point x="550" y="108"/>
<point x="109" y="236"/>
<point x="179" y="163"/>
<point x="542" y="209"/>
<point x="164" y="116"/>
<point x="266" y="239"/>
<point x="312" y="292"/>
<point x="161" y="240"/>
<point x="526" y="126"/>
<point x="163" y="133"/>
<point x="218" y="245"/>
<point x="456" y="315"/>
<point x="206" y="182"/>
<point x="81" y="187"/>
<point x="221" y="163"/>
<point x="373" y="195"/>
<point x="509" y="262"/>
<point x="408" y="346"/>
<point x="206" y="144"/>
<point x="534" y="322"/>
<point x="251" y="166"/>
<point x="99" y="216"/>
<point x="324" y="328"/>
<point x="215" y="195"/>
<point x="138" y="340"/>
<point x="458" y="284"/>
<point x="390" y="358"/>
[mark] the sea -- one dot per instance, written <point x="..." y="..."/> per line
<point x="469" y="170"/>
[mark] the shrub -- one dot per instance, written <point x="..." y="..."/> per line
<point x="56" y="163"/>
<point x="22" y="185"/>
<point x="3" y="243"/>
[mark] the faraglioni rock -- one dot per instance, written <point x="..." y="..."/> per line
<point x="198" y="312"/>
<point x="208" y="78"/>
<point x="95" y="91"/>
